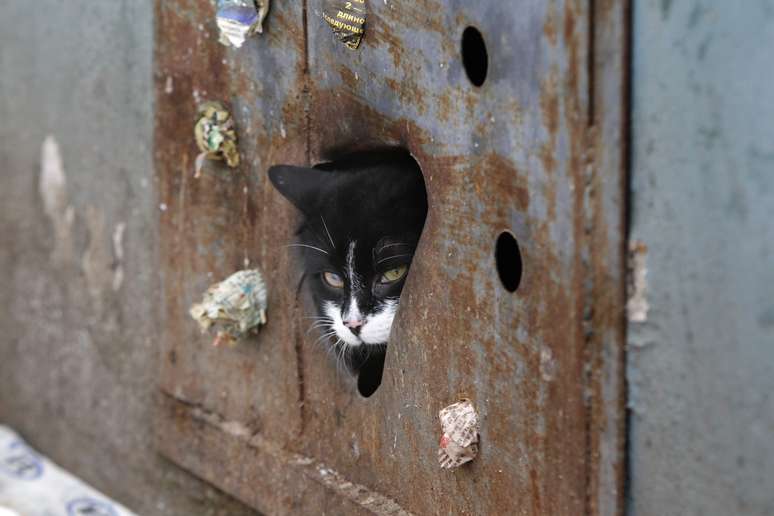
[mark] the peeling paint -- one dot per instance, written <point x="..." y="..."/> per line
<point x="97" y="260"/>
<point x="53" y="192"/>
<point x="547" y="364"/>
<point x="637" y="303"/>
<point x="118" y="253"/>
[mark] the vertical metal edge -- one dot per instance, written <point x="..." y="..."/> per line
<point x="606" y="213"/>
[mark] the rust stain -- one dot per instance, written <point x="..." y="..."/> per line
<point x="421" y="15"/>
<point x="211" y="224"/>
<point x="569" y="23"/>
<point x="507" y="181"/>
<point x="363" y="128"/>
<point x="573" y="41"/>
<point x="444" y="105"/>
<point x="281" y="24"/>
<point x="184" y="69"/>
<point x="409" y="93"/>
<point x="550" y="26"/>
<point x="380" y="33"/>
<point x="607" y="427"/>
<point x="348" y="77"/>
<point x="386" y="22"/>
<point x="576" y="102"/>
<point x="471" y="99"/>
<point x="549" y="104"/>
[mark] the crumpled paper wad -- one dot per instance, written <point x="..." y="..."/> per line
<point x="234" y="307"/>
<point x="215" y="135"/>
<point x="240" y="19"/>
<point x="459" y="443"/>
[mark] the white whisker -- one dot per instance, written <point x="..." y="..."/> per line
<point x="318" y="324"/>
<point x="388" y="245"/>
<point x="328" y="232"/>
<point x="341" y="363"/>
<point x="317" y="321"/>
<point x="391" y="257"/>
<point x="309" y="246"/>
<point x="324" y="336"/>
<point x="327" y="333"/>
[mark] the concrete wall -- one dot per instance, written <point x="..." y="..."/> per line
<point x="701" y="367"/>
<point x="78" y="294"/>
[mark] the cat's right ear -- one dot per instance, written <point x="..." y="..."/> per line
<point x="299" y="185"/>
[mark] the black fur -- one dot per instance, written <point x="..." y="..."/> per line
<point x="376" y="199"/>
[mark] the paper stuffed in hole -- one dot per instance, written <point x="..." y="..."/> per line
<point x="215" y="135"/>
<point x="240" y="19"/>
<point x="234" y="307"/>
<point x="459" y="442"/>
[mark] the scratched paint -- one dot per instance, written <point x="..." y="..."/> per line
<point x="53" y="192"/>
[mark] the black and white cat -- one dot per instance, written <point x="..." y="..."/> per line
<point x="362" y="218"/>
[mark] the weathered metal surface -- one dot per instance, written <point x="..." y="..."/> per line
<point x="520" y="154"/>
<point x="605" y="211"/>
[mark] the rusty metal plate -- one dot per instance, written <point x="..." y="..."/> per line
<point x="537" y="150"/>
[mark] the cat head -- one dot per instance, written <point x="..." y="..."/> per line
<point x="362" y="216"/>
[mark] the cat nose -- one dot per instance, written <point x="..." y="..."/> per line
<point x="354" y="325"/>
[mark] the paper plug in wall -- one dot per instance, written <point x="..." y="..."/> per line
<point x="240" y="19"/>
<point x="215" y="135"/>
<point x="234" y="307"/>
<point x="459" y="442"/>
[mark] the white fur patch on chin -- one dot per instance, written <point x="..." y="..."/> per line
<point x="376" y="329"/>
<point x="334" y="313"/>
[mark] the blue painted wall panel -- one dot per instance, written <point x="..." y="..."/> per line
<point x="701" y="366"/>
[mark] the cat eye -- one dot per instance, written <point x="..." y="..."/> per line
<point x="393" y="275"/>
<point x="333" y="279"/>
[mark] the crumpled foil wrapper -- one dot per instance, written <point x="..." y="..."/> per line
<point x="347" y="20"/>
<point x="234" y="307"/>
<point x="239" y="19"/>
<point x="215" y="135"/>
<point x="459" y="443"/>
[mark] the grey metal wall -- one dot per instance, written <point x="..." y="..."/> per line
<point x="701" y="366"/>
<point x="78" y="300"/>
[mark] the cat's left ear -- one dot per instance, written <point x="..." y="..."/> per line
<point x="299" y="185"/>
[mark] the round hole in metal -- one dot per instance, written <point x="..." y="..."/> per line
<point x="474" y="56"/>
<point x="508" y="261"/>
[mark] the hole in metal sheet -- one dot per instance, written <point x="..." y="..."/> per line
<point x="370" y="376"/>
<point x="508" y="260"/>
<point x="474" y="56"/>
<point x="369" y="357"/>
<point x="364" y="213"/>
